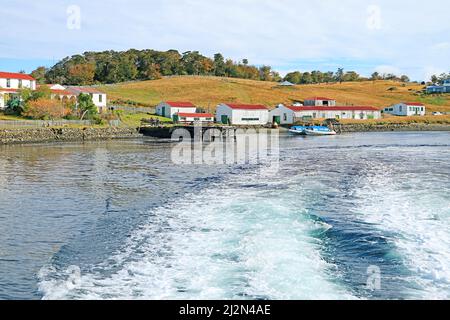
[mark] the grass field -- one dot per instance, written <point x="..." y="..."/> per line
<point x="207" y="92"/>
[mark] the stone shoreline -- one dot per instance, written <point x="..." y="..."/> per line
<point x="43" y="135"/>
<point x="364" y="127"/>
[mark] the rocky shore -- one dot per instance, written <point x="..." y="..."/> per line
<point x="366" y="127"/>
<point x="39" y="135"/>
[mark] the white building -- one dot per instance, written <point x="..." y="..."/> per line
<point x="285" y="114"/>
<point x="320" y="102"/>
<point x="242" y="114"/>
<point x="406" y="109"/>
<point x="99" y="98"/>
<point x="11" y="83"/>
<point x="337" y="112"/>
<point x="171" y="109"/>
<point x="195" y="117"/>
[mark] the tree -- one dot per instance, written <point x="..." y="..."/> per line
<point x="375" y="76"/>
<point x="219" y="65"/>
<point x="340" y="75"/>
<point x="404" y="78"/>
<point x="39" y="75"/>
<point x="434" y="78"/>
<point x="86" y="106"/>
<point x="81" y="74"/>
<point x="153" y="72"/>
<point x="293" y="77"/>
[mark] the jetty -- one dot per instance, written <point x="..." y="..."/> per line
<point x="207" y="133"/>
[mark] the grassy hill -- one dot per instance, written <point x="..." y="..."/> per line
<point x="210" y="91"/>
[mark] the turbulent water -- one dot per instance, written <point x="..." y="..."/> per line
<point x="357" y="216"/>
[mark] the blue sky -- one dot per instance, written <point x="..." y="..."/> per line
<point x="404" y="37"/>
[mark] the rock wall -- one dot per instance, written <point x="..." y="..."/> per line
<point x="364" y="127"/>
<point x="15" y="136"/>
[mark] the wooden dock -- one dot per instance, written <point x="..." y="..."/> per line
<point x="207" y="133"/>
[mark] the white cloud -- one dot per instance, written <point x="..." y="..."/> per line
<point x="406" y="35"/>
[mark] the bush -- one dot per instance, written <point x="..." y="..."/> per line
<point x="45" y="109"/>
<point x="14" y="106"/>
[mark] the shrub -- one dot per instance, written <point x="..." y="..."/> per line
<point x="45" y="109"/>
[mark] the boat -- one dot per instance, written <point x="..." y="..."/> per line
<point x="319" y="131"/>
<point x="298" y="130"/>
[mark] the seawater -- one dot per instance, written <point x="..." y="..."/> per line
<point x="118" y="220"/>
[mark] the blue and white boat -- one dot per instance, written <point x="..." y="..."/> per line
<point x="312" y="131"/>
<point x="319" y="131"/>
<point x="298" y="130"/>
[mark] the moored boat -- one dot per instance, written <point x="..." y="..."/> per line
<point x="300" y="130"/>
<point x="319" y="131"/>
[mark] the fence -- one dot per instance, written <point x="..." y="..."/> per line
<point x="49" y="123"/>
<point x="134" y="109"/>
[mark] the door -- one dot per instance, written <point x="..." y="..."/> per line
<point x="277" y="119"/>
<point x="224" y="119"/>
<point x="175" y="118"/>
<point x="163" y="111"/>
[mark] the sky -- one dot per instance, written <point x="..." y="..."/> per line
<point x="403" y="36"/>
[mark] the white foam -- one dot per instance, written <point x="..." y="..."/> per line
<point x="225" y="243"/>
<point x="416" y="210"/>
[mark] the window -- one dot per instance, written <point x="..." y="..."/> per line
<point x="100" y="98"/>
<point x="250" y="119"/>
<point x="20" y="83"/>
<point x="285" y="116"/>
<point x="8" y="83"/>
<point x="196" y="119"/>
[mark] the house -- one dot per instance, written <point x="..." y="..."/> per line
<point x="445" y="88"/>
<point x="195" y="117"/>
<point x="171" y="109"/>
<point x="99" y="98"/>
<point x="60" y="92"/>
<point x="242" y="114"/>
<point x="285" y="114"/>
<point x="286" y="84"/>
<point x="319" y="102"/>
<point x="11" y="83"/>
<point x="337" y="112"/>
<point x="406" y="109"/>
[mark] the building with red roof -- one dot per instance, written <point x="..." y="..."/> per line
<point x="319" y="102"/>
<point x="11" y="83"/>
<point x="195" y="117"/>
<point x="406" y="109"/>
<point x="171" y="109"/>
<point x="98" y="97"/>
<point x="242" y="114"/>
<point x="291" y="114"/>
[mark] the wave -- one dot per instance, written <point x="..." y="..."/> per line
<point x="227" y="242"/>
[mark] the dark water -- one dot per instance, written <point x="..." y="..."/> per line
<point x="119" y="220"/>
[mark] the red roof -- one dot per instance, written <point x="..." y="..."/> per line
<point x="319" y="98"/>
<point x="12" y="75"/>
<point x="247" y="106"/>
<point x="338" y="108"/>
<point x="414" y="104"/>
<point x="62" y="92"/>
<point x="295" y="109"/>
<point x="177" y="104"/>
<point x="196" y="115"/>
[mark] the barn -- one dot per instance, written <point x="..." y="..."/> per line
<point x="242" y="114"/>
<point x="171" y="109"/>
<point x="406" y="109"/>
